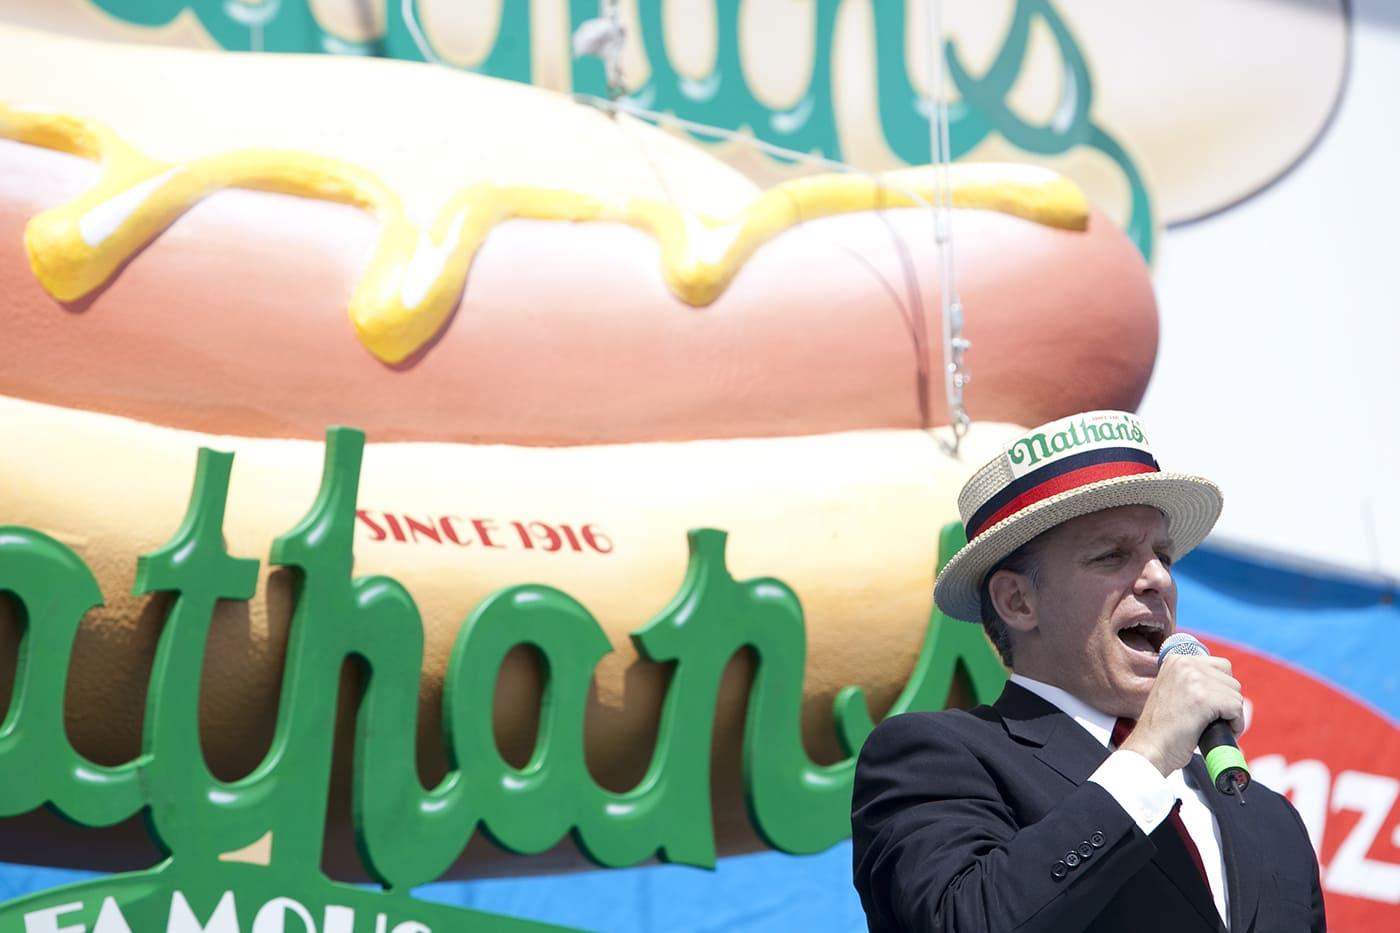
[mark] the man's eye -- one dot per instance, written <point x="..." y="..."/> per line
<point x="1109" y="555"/>
<point x="1164" y="558"/>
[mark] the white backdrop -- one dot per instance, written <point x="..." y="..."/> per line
<point x="1277" y="374"/>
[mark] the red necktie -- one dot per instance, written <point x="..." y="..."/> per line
<point x="1121" y="729"/>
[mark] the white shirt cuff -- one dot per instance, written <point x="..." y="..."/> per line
<point x="1138" y="787"/>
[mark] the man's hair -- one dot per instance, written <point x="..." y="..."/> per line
<point x="1025" y="560"/>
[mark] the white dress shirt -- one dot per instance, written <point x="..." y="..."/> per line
<point x="1141" y="790"/>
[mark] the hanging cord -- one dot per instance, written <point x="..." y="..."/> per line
<point x="604" y="37"/>
<point x="623" y="105"/>
<point x="954" y="344"/>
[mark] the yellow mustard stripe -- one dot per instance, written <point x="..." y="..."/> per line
<point x="416" y="276"/>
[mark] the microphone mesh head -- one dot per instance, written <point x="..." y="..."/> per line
<point x="1180" y="643"/>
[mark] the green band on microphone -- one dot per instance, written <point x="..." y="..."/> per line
<point x="1221" y="759"/>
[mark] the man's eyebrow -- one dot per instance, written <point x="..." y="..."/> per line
<point x="1106" y="538"/>
<point x="1115" y="538"/>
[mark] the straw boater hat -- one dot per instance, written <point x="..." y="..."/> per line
<point x="1067" y="468"/>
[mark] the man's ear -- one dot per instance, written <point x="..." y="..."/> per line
<point x="1013" y="597"/>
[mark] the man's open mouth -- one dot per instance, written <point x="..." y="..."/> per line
<point x="1145" y="636"/>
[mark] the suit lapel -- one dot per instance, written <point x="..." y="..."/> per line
<point x="1068" y="749"/>
<point x="1242" y="886"/>
<point x="1059" y="741"/>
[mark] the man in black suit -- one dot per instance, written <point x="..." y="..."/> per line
<point x="1076" y="802"/>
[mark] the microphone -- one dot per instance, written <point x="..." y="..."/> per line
<point x="1224" y="760"/>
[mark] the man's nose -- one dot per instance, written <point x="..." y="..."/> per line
<point x="1155" y="575"/>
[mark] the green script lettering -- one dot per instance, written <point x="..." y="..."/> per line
<point x="1036" y="449"/>
<point x="52" y="589"/>
<point x="409" y="835"/>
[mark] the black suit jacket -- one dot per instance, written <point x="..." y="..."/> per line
<point x="966" y="821"/>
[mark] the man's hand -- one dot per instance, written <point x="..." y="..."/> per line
<point x="1190" y="693"/>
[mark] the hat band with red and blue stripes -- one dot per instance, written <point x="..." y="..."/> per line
<point x="1060" y="476"/>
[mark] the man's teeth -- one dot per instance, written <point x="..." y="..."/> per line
<point x="1142" y="637"/>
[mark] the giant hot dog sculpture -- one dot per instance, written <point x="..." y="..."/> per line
<point x="569" y="339"/>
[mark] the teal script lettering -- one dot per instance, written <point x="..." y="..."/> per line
<point x="407" y="834"/>
<point x="723" y="97"/>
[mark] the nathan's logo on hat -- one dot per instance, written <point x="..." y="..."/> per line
<point x="1064" y="455"/>
<point x="1070" y="435"/>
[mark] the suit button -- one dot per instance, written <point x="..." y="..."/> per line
<point x="1097" y="840"/>
<point x="1085" y="850"/>
<point x="1072" y="858"/>
<point x="1059" y="870"/>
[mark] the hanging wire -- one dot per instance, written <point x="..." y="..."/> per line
<point x="604" y="37"/>
<point x="622" y="105"/>
<point x="954" y="344"/>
